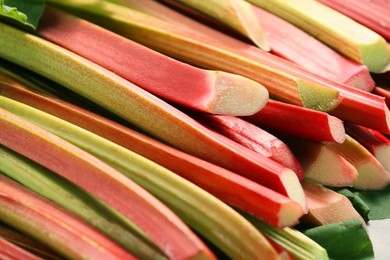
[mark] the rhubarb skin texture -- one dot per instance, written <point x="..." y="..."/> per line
<point x="197" y="208"/>
<point x="286" y="41"/>
<point x="146" y="111"/>
<point x="299" y="122"/>
<point x="254" y="138"/>
<point x="204" y="51"/>
<point x="276" y="209"/>
<point x="11" y="251"/>
<point x="38" y="217"/>
<point x="58" y="156"/>
<point x="209" y="91"/>
<point x="337" y="30"/>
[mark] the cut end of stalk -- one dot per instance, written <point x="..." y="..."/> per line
<point x="316" y="97"/>
<point x="337" y="129"/>
<point x="331" y="169"/>
<point x="289" y="214"/>
<point x="237" y="95"/>
<point x="360" y="79"/>
<point x="376" y="56"/>
<point x="293" y="188"/>
<point x="252" y="26"/>
<point x="372" y="176"/>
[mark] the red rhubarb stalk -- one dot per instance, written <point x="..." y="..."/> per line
<point x="299" y="122"/>
<point x="38" y="217"/>
<point x="272" y="207"/>
<point x="254" y="138"/>
<point x="204" y="90"/>
<point x="12" y="251"/>
<point x="172" y="236"/>
<point x="373" y="141"/>
<point x="383" y="92"/>
<point x="145" y="111"/>
<point x="294" y="44"/>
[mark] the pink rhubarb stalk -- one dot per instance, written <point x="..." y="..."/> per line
<point x="169" y="233"/>
<point x="327" y="206"/>
<point x="321" y="164"/>
<point x="11" y="251"/>
<point x="372" y="14"/>
<point x="299" y="122"/>
<point x="292" y="43"/>
<point x="371" y="173"/>
<point x="38" y="217"/>
<point x="204" y="90"/>
<point x="274" y="208"/>
<point x="254" y="138"/>
<point x="373" y="141"/>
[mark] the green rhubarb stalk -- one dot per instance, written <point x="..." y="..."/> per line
<point x="163" y="226"/>
<point x="144" y="110"/>
<point x="237" y="14"/>
<point x="233" y="189"/>
<point x="295" y="242"/>
<point x="75" y="200"/>
<point x="56" y="228"/>
<point x="182" y="43"/>
<point x="200" y="210"/>
<point x="335" y="29"/>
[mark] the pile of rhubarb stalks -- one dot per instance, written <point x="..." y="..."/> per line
<point x="191" y="129"/>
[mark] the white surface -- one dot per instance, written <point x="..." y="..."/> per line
<point x="379" y="231"/>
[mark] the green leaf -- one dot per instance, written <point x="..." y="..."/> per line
<point x="25" y="12"/>
<point x="344" y="240"/>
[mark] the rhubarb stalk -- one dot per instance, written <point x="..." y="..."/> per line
<point x="294" y="44"/>
<point x="254" y="138"/>
<point x="272" y="207"/>
<point x="198" y="209"/>
<point x="40" y="218"/>
<point x="204" y="90"/>
<point x="371" y="173"/>
<point x="299" y="122"/>
<point x="237" y="14"/>
<point x="335" y="29"/>
<point x="165" y="228"/>
<point x="12" y="251"/>
<point x="203" y="51"/>
<point x="145" y="110"/>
